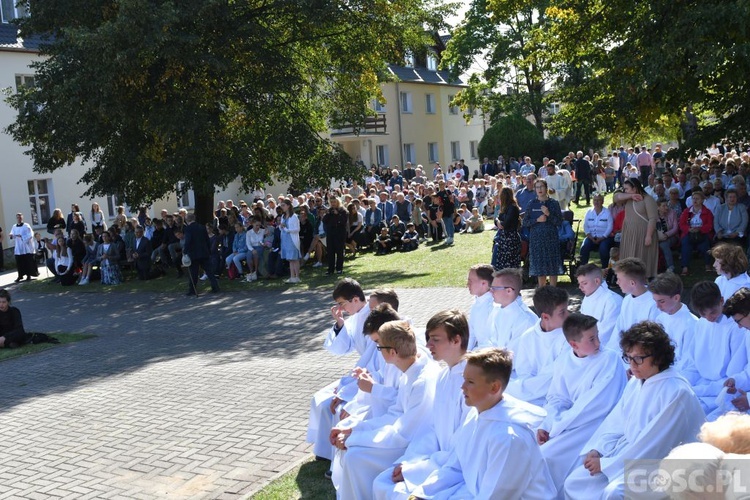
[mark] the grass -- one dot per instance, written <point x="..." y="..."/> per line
<point x="64" y="338"/>
<point x="303" y="482"/>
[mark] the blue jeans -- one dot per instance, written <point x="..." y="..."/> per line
<point x="702" y="246"/>
<point x="603" y="247"/>
<point x="449" y="229"/>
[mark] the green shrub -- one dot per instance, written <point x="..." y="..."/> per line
<point x="512" y="135"/>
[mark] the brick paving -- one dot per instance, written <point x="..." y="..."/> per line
<point x="176" y="397"/>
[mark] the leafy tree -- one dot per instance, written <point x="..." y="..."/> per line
<point x="511" y="135"/>
<point x="640" y="68"/>
<point x="511" y="35"/>
<point x="149" y="93"/>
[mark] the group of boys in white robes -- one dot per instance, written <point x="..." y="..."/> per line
<point x="569" y="391"/>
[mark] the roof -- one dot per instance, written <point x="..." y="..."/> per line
<point x="423" y="75"/>
<point x="9" y="39"/>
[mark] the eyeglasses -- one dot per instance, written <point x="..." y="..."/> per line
<point x="739" y="321"/>
<point x="341" y="304"/>
<point x="501" y="288"/>
<point x="638" y="360"/>
<point x="381" y="347"/>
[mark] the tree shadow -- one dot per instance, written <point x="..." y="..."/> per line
<point x="312" y="483"/>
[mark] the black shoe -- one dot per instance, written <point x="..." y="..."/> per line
<point x="328" y="474"/>
<point x="189" y="294"/>
<point x="28" y="278"/>
<point x="318" y="458"/>
<point x="19" y="279"/>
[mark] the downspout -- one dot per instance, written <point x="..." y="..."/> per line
<point x="400" y="138"/>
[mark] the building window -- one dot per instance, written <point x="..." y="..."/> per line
<point x="25" y="81"/>
<point x="430" y="104"/>
<point x="455" y="150"/>
<point x="432" y="152"/>
<point x="382" y="155"/>
<point x="409" y="153"/>
<point x="432" y="62"/>
<point x="378" y="106"/>
<point x="185" y="197"/>
<point x="113" y="201"/>
<point x="406" y="105"/>
<point x="473" y="147"/>
<point x="40" y="192"/>
<point x="554" y="108"/>
<point x="9" y="11"/>
<point x="452" y="109"/>
<point x="409" y="59"/>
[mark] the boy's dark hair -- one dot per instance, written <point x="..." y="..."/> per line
<point x="386" y="296"/>
<point x="512" y="276"/>
<point x="484" y="272"/>
<point x="705" y="295"/>
<point x="654" y="341"/>
<point x="668" y="284"/>
<point x="587" y="269"/>
<point x="4" y="294"/>
<point x="383" y="313"/>
<point x="575" y="324"/>
<point x="738" y="303"/>
<point x="347" y="289"/>
<point x="632" y="267"/>
<point x="548" y="297"/>
<point x="455" y="324"/>
<point x="496" y="363"/>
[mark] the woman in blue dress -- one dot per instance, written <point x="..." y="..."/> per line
<point x="290" y="242"/>
<point x="543" y="218"/>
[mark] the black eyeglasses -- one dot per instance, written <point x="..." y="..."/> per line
<point x="638" y="360"/>
<point x="501" y="287"/>
<point x="739" y="321"/>
<point x="381" y="347"/>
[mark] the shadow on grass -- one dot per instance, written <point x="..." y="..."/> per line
<point x="63" y="338"/>
<point x="312" y="483"/>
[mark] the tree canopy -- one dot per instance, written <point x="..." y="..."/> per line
<point x="150" y="93"/>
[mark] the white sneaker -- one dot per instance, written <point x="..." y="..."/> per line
<point x="204" y="277"/>
<point x="249" y="278"/>
<point x="83" y="281"/>
<point x="318" y="264"/>
<point x="253" y="276"/>
<point x="306" y="257"/>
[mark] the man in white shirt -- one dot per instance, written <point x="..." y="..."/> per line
<point x="597" y="225"/>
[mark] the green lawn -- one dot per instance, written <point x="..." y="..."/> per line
<point x="64" y="338"/>
<point x="303" y="482"/>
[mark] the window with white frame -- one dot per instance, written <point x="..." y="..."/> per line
<point x="409" y="59"/>
<point x="455" y="150"/>
<point x="185" y="197"/>
<point x="378" y="106"/>
<point x="473" y="149"/>
<point x="554" y="108"/>
<point x="409" y="153"/>
<point x="432" y="62"/>
<point x="430" y="104"/>
<point x="40" y="200"/>
<point x="25" y="81"/>
<point x="381" y="152"/>
<point x="113" y="201"/>
<point x="9" y="11"/>
<point x="406" y="104"/>
<point x="432" y="152"/>
<point x="452" y="109"/>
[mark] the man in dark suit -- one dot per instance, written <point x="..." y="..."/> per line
<point x="488" y="168"/>
<point x="197" y="248"/>
<point x="142" y="254"/>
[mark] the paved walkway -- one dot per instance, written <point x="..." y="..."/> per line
<point x="177" y="397"/>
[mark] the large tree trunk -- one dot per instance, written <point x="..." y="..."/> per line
<point x="204" y="207"/>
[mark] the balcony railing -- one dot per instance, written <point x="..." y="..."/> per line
<point x="372" y="125"/>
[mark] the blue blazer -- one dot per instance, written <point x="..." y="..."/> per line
<point x="373" y="218"/>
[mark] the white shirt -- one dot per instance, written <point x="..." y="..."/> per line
<point x="480" y="324"/>
<point x="679" y="326"/>
<point x="633" y="310"/>
<point x="598" y="225"/>
<point x="730" y="285"/>
<point x="508" y="323"/>
<point x="604" y="305"/>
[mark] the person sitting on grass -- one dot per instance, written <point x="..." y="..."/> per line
<point x="410" y="239"/>
<point x="383" y="243"/>
<point x="495" y="453"/>
<point x="475" y="223"/>
<point x="12" y="333"/>
<point x="396" y="232"/>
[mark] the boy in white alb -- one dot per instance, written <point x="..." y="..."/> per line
<point x="586" y="385"/>
<point x="495" y="454"/>
<point x="657" y="411"/>
<point x="718" y="347"/>
<point x="598" y="301"/>
<point x="535" y="352"/>
<point x="674" y="316"/>
<point x="343" y="338"/>
<point x="510" y="316"/>
<point x="730" y="263"/>
<point x="734" y="395"/>
<point x="447" y="339"/>
<point x="479" y="281"/>
<point x="638" y="304"/>
<point x="372" y="445"/>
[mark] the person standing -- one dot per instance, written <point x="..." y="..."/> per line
<point x="543" y="218"/>
<point x="24" y="248"/>
<point x="506" y="251"/>
<point x="196" y="247"/>
<point x="2" y="252"/>
<point x="290" y="242"/>
<point x="583" y="178"/>
<point x="448" y="205"/>
<point x="336" y="223"/>
<point x="639" y="237"/>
